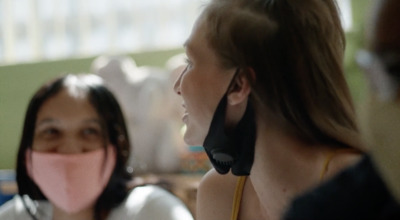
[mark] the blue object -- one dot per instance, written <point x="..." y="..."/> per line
<point x="8" y="187"/>
<point x="196" y="148"/>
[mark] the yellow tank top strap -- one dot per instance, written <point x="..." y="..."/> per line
<point x="330" y="156"/>
<point x="238" y="197"/>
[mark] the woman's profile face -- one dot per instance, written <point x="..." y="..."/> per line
<point x="201" y="85"/>
<point x="67" y="124"/>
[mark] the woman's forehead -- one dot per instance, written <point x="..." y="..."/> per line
<point x="65" y="104"/>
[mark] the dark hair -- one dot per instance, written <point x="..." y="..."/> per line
<point x="296" y="50"/>
<point x="384" y="35"/>
<point x="115" y="129"/>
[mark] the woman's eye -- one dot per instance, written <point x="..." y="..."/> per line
<point x="49" y="132"/>
<point x="188" y="63"/>
<point x="91" y="132"/>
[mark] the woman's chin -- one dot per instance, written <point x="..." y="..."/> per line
<point x="193" y="140"/>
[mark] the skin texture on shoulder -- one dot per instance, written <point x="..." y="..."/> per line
<point x="215" y="196"/>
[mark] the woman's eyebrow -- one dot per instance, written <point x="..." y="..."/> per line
<point x="186" y="43"/>
<point x="189" y="49"/>
<point x="92" y="121"/>
<point x="46" y="121"/>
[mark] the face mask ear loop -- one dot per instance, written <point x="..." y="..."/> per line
<point x="105" y="148"/>
<point x="216" y="142"/>
<point x="28" y="153"/>
<point x="108" y="149"/>
<point x="28" y="161"/>
<point x="232" y="81"/>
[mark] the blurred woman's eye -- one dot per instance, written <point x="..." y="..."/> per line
<point x="189" y="64"/>
<point x="48" y="133"/>
<point x="91" y="132"/>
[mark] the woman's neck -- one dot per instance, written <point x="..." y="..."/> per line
<point x="284" y="166"/>
<point x="86" y="214"/>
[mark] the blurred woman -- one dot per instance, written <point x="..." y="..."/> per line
<point x="72" y="159"/>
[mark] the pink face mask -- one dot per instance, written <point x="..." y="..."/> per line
<point x="72" y="182"/>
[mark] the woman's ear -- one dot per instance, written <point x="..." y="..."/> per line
<point x="241" y="87"/>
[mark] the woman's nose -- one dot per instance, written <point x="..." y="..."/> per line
<point x="177" y="85"/>
<point x="70" y="146"/>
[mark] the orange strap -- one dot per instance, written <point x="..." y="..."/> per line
<point x="329" y="158"/>
<point x="242" y="180"/>
<point x="238" y="197"/>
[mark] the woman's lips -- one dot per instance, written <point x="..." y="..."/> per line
<point x="184" y="117"/>
<point x="185" y="114"/>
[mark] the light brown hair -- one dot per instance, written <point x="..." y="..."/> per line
<point x="296" y="50"/>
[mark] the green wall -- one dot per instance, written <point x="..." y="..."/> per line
<point x="355" y="42"/>
<point x="19" y="82"/>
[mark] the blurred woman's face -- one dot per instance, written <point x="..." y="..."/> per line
<point x="201" y="85"/>
<point x="67" y="124"/>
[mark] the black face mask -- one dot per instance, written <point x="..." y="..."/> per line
<point x="234" y="150"/>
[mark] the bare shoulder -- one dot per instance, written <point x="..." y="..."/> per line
<point x="215" y="196"/>
<point x="342" y="160"/>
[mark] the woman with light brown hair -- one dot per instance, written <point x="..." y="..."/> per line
<point x="371" y="188"/>
<point x="265" y="94"/>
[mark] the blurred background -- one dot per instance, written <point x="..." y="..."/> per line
<point x="41" y="39"/>
<point x="37" y="30"/>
